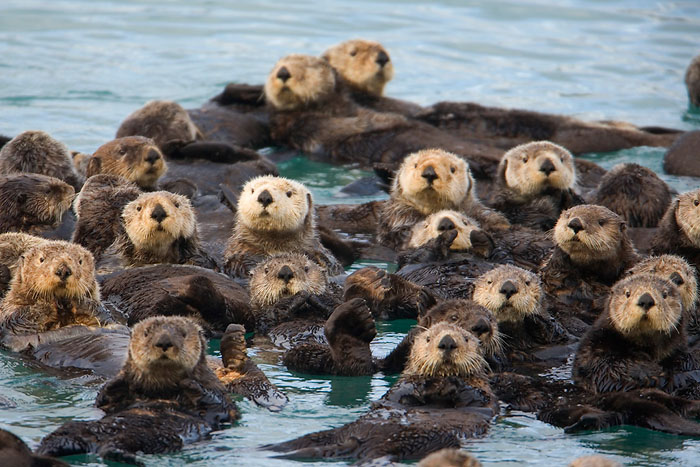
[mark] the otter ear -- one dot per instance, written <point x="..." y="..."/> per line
<point x="94" y="166"/>
<point x="501" y="174"/>
<point x="623" y="226"/>
<point x="426" y="321"/>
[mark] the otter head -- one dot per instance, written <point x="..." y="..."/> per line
<point x="162" y="121"/>
<point x="27" y="151"/>
<point x="135" y="158"/>
<point x="470" y="237"/>
<point x="57" y="269"/>
<point x="532" y="168"/>
<point x="449" y="457"/>
<point x="692" y="81"/>
<point x="432" y="180"/>
<point x="643" y="305"/>
<point x="364" y="65"/>
<point x="590" y="233"/>
<point x="297" y="81"/>
<point x="687" y="212"/>
<point x="469" y="316"/>
<point x="275" y="204"/>
<point x="675" y="269"/>
<point x="283" y="276"/>
<point x="154" y="221"/>
<point x="39" y="199"/>
<point x="445" y="350"/>
<point x="594" y="461"/>
<point x="511" y="293"/>
<point x="163" y="350"/>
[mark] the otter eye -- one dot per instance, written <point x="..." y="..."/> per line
<point x="627" y="293"/>
<point x="80" y="261"/>
<point x="454" y="317"/>
<point x="41" y="260"/>
<point x="601" y="222"/>
<point x="525" y="158"/>
<point x="289" y="194"/>
<point x="427" y="338"/>
<point x="527" y="282"/>
<point x="184" y="333"/>
<point x="664" y="294"/>
<point x="122" y="151"/>
<point x="252" y="190"/>
<point x="353" y="52"/>
<point x="138" y="208"/>
<point x="489" y="281"/>
<point x="696" y="202"/>
<point x="306" y="269"/>
<point x="453" y="170"/>
<point x="267" y="270"/>
<point x="415" y="166"/>
<point x="177" y="205"/>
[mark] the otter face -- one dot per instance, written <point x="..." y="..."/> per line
<point x="589" y="233"/>
<point x="530" y="169"/>
<point x="299" y="80"/>
<point x="688" y="215"/>
<point x="153" y="221"/>
<point x="283" y="276"/>
<point x="272" y="203"/>
<point x="511" y="293"/>
<point x="675" y="269"/>
<point x="163" y="348"/>
<point x="135" y="158"/>
<point x="445" y="350"/>
<point x="469" y="235"/>
<point x="432" y="180"/>
<point x="469" y="316"/>
<point x="365" y="65"/>
<point x="645" y="304"/>
<point x="58" y="269"/>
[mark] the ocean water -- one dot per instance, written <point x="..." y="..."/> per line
<point x="77" y="68"/>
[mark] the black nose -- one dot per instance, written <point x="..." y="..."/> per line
<point x="508" y="289"/>
<point x="164" y="342"/>
<point x="152" y="156"/>
<point x="575" y="224"/>
<point x="429" y="174"/>
<point x="446" y="224"/>
<point x="382" y="58"/>
<point x="286" y="274"/>
<point x="481" y="327"/>
<point x="447" y="343"/>
<point x="646" y="301"/>
<point x="677" y="279"/>
<point x="63" y="272"/>
<point x="547" y="167"/>
<point x="265" y="198"/>
<point x="284" y="74"/>
<point x="158" y="213"/>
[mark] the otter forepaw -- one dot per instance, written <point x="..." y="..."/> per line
<point x="352" y="318"/>
<point x="233" y="347"/>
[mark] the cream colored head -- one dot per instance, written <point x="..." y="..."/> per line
<point x="153" y="221"/>
<point x="275" y="204"/>
<point x="162" y="121"/>
<point x="675" y="269"/>
<point x="645" y="304"/>
<point x="365" y="65"/>
<point x="509" y="292"/>
<point x="135" y="158"/>
<point x="449" y="457"/>
<point x="470" y="237"/>
<point x="297" y="81"/>
<point x="432" y="180"/>
<point x="590" y="233"/>
<point x="283" y="276"/>
<point x="57" y="269"/>
<point x="163" y="350"/>
<point x="532" y="168"/>
<point x="594" y="461"/>
<point x="687" y="210"/>
<point x="445" y="350"/>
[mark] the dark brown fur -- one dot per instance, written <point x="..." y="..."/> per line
<point x="14" y="453"/>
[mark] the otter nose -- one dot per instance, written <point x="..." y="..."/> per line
<point x="677" y="279"/>
<point x="382" y="58"/>
<point x="646" y="301"/>
<point x="447" y="344"/>
<point x="429" y="174"/>
<point x="284" y="74"/>
<point x="446" y="224"/>
<point x="158" y="213"/>
<point x="508" y="289"/>
<point x="547" y="167"/>
<point x="265" y="198"/>
<point x="164" y="342"/>
<point x="286" y="274"/>
<point x="481" y="327"/>
<point x="575" y="224"/>
<point x="63" y="272"/>
<point x="152" y="156"/>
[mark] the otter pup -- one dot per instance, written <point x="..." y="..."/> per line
<point x="135" y="158"/>
<point x="535" y="183"/>
<point x="15" y="453"/>
<point x="635" y="193"/>
<point x="164" y="396"/>
<point x="160" y="227"/>
<point x="469" y="237"/>
<point x="679" y="229"/>
<point x="274" y="215"/>
<point x="32" y="201"/>
<point x="442" y="397"/>
<point x="37" y="152"/>
<point x="429" y="181"/>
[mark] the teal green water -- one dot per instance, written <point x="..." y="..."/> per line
<point x="77" y="68"/>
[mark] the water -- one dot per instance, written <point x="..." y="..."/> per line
<point x="77" y="68"/>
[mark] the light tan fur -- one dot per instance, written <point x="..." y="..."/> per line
<point x="427" y="359"/>
<point x="526" y="301"/>
<point x="288" y="211"/>
<point x="429" y="229"/>
<point x="521" y="165"/>
<point x="15" y="244"/>
<point x="162" y="121"/>
<point x="311" y="80"/>
<point x="675" y="269"/>
<point x="356" y="61"/>
<point x="594" y="461"/>
<point x="449" y="457"/>
<point x="688" y="215"/>
<point x="134" y="158"/>
<point x="266" y="287"/>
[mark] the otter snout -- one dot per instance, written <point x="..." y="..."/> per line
<point x="429" y="174"/>
<point x="645" y="302"/>
<point x="447" y="344"/>
<point x="265" y="198"/>
<point x="547" y="167"/>
<point x="677" y="279"/>
<point x="446" y="224"/>
<point x="158" y="213"/>
<point x="576" y="225"/>
<point x="283" y="74"/>
<point x="164" y="342"/>
<point x="382" y="58"/>
<point x="482" y="326"/>
<point x="64" y="272"/>
<point x="508" y="289"/>
<point x="152" y="156"/>
<point x="286" y="274"/>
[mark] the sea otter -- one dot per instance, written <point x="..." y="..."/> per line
<point x="679" y="229"/>
<point x="37" y="152"/>
<point x="470" y="237"/>
<point x="692" y="81"/>
<point x="594" y="461"/>
<point x="449" y="457"/>
<point x="15" y="453"/>
<point x="274" y="215"/>
<point x="164" y="396"/>
<point x="12" y="246"/>
<point x="162" y="121"/>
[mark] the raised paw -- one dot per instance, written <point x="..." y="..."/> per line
<point x="353" y="319"/>
<point x="233" y="347"/>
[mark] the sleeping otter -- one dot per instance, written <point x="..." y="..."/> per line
<point x="679" y="229"/>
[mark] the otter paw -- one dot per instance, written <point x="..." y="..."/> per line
<point x="233" y="347"/>
<point x="352" y="318"/>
